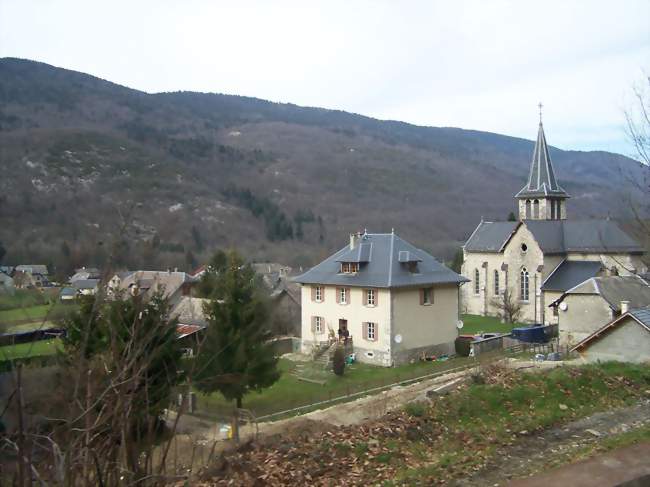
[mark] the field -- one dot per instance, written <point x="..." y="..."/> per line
<point x="474" y="324"/>
<point x="290" y="392"/>
<point x="484" y="433"/>
<point x="31" y="309"/>
<point x="32" y="349"/>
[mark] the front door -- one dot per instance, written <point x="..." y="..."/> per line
<point x="343" y="325"/>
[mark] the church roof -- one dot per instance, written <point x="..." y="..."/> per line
<point x="556" y="236"/>
<point x="383" y="267"/>
<point x="490" y="236"/>
<point x="541" y="179"/>
<point x="570" y="273"/>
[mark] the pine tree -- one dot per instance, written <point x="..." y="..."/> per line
<point x="235" y="357"/>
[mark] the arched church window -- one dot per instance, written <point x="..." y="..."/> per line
<point x="536" y="209"/>
<point x="553" y="210"/>
<point x="524" y="285"/>
<point x="496" y="283"/>
<point x="477" y="283"/>
<point x="558" y="210"/>
<point x="527" y="208"/>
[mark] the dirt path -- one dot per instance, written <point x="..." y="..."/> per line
<point x="536" y="453"/>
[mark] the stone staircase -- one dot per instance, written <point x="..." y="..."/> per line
<point x="324" y="354"/>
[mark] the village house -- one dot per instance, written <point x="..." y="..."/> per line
<point x="624" y="339"/>
<point x="6" y="283"/>
<point x="285" y="297"/>
<point x="30" y="275"/>
<point x="393" y="301"/>
<point x="585" y="308"/>
<point x="543" y="254"/>
<point x="173" y="284"/>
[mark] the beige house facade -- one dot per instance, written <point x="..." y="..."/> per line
<point x="582" y="310"/>
<point x="532" y="262"/>
<point x="394" y="301"/>
<point x="624" y="339"/>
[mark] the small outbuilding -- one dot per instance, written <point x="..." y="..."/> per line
<point x="625" y="339"/>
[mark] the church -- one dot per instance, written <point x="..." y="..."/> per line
<point x="532" y="262"/>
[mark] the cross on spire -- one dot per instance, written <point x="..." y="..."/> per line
<point x="540" y="111"/>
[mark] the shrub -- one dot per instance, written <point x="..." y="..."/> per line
<point x="416" y="409"/>
<point x="339" y="361"/>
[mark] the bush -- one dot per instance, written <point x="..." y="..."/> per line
<point x="416" y="409"/>
<point x="339" y="361"/>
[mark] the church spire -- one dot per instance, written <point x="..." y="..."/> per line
<point x="542" y="188"/>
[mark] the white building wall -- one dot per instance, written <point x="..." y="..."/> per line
<point x="628" y="342"/>
<point x="585" y="314"/>
<point x="356" y="313"/>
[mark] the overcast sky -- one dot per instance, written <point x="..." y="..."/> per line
<point x="480" y="65"/>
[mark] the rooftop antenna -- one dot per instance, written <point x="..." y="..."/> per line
<point x="540" y="111"/>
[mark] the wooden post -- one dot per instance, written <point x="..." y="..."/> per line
<point x="21" y="428"/>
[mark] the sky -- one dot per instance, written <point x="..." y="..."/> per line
<point x="482" y="65"/>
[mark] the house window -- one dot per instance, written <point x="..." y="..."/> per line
<point x="370" y="297"/>
<point x="527" y="209"/>
<point x="343" y="295"/>
<point x="318" y="324"/>
<point x="496" y="283"/>
<point x="477" y="282"/>
<point x="536" y="209"/>
<point x="412" y="267"/>
<point x="318" y="294"/>
<point x="371" y="331"/>
<point x="427" y="296"/>
<point x="349" y="267"/>
<point x="524" y="285"/>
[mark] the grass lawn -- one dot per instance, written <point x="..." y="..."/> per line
<point x="477" y="324"/>
<point x="32" y="349"/>
<point x="290" y="392"/>
<point x="35" y="314"/>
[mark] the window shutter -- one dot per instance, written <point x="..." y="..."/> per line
<point x="313" y="324"/>
<point x="347" y="295"/>
<point x="338" y="295"/>
<point x="376" y="297"/>
<point x="376" y="332"/>
<point x="322" y="294"/>
<point x="364" y="327"/>
<point x="421" y="297"/>
<point x="313" y="293"/>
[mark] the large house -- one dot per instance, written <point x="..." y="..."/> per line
<point x="543" y="254"/>
<point x="394" y="300"/>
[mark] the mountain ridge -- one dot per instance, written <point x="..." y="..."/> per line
<point x="278" y="180"/>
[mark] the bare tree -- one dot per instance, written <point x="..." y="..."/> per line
<point x="638" y="131"/>
<point x="509" y="306"/>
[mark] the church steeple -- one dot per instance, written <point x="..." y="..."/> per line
<point x="542" y="198"/>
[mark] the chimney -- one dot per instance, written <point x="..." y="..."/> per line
<point x="354" y="239"/>
<point x="625" y="306"/>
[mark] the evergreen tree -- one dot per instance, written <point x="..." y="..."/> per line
<point x="457" y="263"/>
<point x="3" y="251"/>
<point x="235" y="357"/>
<point x="512" y="217"/>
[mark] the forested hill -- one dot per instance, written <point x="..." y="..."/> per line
<point x="89" y="166"/>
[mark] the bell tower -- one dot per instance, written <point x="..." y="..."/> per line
<point x="542" y="198"/>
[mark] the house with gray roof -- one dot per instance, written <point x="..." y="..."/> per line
<point x="624" y="339"/>
<point x="392" y="301"/>
<point x="591" y="304"/>
<point x="544" y="254"/>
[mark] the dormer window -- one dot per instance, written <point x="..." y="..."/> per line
<point x="349" y="267"/>
<point x="412" y="267"/>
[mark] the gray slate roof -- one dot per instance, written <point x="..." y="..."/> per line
<point x="490" y="236"/>
<point x="383" y="268"/>
<point x="642" y="315"/>
<point x="615" y="289"/>
<point x="541" y="179"/>
<point x="557" y="236"/>
<point x="32" y="269"/>
<point x="570" y="273"/>
<point x="85" y="283"/>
